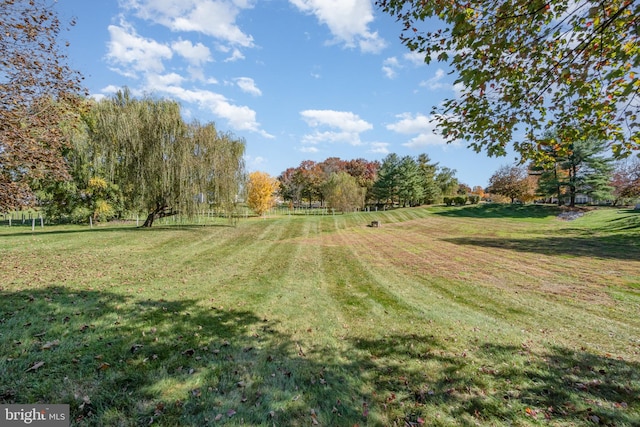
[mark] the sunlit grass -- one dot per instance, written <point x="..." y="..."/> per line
<point x="484" y="315"/>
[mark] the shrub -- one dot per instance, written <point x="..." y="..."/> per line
<point x="80" y="215"/>
<point x="460" y="200"/>
<point x="474" y="199"/>
<point x="103" y="211"/>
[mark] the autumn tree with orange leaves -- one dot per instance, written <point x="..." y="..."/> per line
<point x="38" y="91"/>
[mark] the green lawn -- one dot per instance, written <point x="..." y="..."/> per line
<point x="484" y="315"/>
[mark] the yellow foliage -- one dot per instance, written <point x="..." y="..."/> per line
<point x="103" y="210"/>
<point x="97" y="183"/>
<point x="261" y="192"/>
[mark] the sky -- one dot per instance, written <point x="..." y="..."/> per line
<point x="296" y="79"/>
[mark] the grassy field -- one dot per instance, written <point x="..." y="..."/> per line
<point x="484" y="315"/>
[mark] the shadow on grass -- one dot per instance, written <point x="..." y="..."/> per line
<point x="497" y="210"/>
<point x="118" y="360"/>
<point x="624" y="247"/>
<point x="499" y="384"/>
<point x="629" y="220"/>
<point x="63" y="229"/>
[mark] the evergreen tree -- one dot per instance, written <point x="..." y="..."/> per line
<point x="386" y="186"/>
<point x="410" y="189"/>
<point x="427" y="171"/>
<point x="584" y="170"/>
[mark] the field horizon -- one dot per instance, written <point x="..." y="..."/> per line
<point x="477" y="315"/>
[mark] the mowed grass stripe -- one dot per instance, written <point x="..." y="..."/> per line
<point x="449" y="316"/>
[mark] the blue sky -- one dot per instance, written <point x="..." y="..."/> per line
<point x="297" y="79"/>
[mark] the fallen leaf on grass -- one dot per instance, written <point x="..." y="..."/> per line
<point x="231" y="413"/>
<point x="86" y="400"/>
<point x="314" y="418"/>
<point x="218" y="417"/>
<point x="35" y="366"/>
<point x="49" y="345"/>
<point x="103" y="366"/>
<point x="531" y="412"/>
<point x="159" y="409"/>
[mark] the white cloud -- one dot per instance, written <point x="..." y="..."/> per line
<point x="408" y="124"/>
<point x="390" y="67"/>
<point x="344" y="126"/>
<point x="196" y="54"/>
<point x="348" y="21"/>
<point x="415" y="57"/>
<point x="420" y="125"/>
<point x="216" y="18"/>
<point x="236" y="55"/>
<point x="239" y="117"/>
<point x="135" y="53"/>
<point x="254" y="163"/>
<point x="458" y="88"/>
<point x="110" y="89"/>
<point x="163" y="80"/>
<point x="308" y="149"/>
<point x="379" y="147"/>
<point x="425" y="140"/>
<point x="343" y="120"/>
<point x="248" y="85"/>
<point x="436" y="82"/>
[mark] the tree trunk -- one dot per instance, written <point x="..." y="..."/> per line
<point x="158" y="212"/>
<point x="149" y="221"/>
<point x="572" y="200"/>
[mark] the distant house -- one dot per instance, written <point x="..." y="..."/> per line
<point x="581" y="199"/>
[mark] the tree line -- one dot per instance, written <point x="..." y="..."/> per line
<point x="81" y="158"/>
<point x="346" y="185"/>
<point x="584" y="170"/>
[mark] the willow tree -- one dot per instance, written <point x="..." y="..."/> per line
<point x="524" y="66"/>
<point x="224" y="168"/>
<point x="163" y="165"/>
